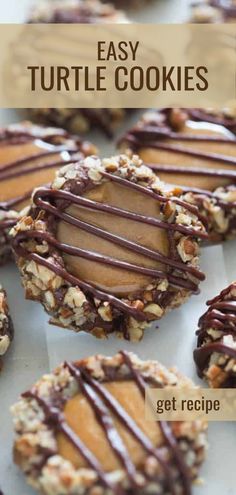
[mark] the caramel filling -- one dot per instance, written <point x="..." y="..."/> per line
<point x="81" y="418"/>
<point x="156" y="156"/>
<point x="115" y="280"/>
<point x="13" y="185"/>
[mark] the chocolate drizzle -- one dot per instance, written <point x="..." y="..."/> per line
<point x="200" y="115"/>
<point x="87" y="288"/>
<point x="227" y="6"/>
<point x="104" y="418"/>
<point x="105" y="407"/>
<point x="165" y="428"/>
<point x="221" y="316"/>
<point x="178" y="273"/>
<point x="191" y="208"/>
<point x="25" y="166"/>
<point x="169" y="169"/>
<point x="6" y="323"/>
<point x="97" y="118"/>
<point x="79" y="14"/>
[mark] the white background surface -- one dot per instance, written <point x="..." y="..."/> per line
<point x="38" y="347"/>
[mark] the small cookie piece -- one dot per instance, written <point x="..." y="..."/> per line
<point x="29" y="156"/>
<point x="6" y="325"/>
<point x="198" y="156"/>
<point x="225" y="117"/>
<point x="102" y="398"/>
<point x="215" y="356"/>
<point x="78" y="120"/>
<point x="214" y="11"/>
<point x="106" y="250"/>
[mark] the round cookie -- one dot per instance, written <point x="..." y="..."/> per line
<point x="29" y="156"/>
<point x="6" y="325"/>
<point x="196" y="156"/>
<point x="106" y="250"/>
<point x="78" y="120"/>
<point x="58" y="420"/>
<point x="225" y="117"/>
<point x="214" y="11"/>
<point x="215" y="356"/>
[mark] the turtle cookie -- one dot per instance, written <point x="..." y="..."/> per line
<point x="106" y="250"/>
<point x="29" y="156"/>
<point x="215" y="356"/>
<point x="198" y="156"/>
<point x="103" y="398"/>
<point x="87" y="12"/>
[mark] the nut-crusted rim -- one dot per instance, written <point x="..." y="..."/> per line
<point x="99" y="310"/>
<point x="215" y="356"/>
<point x="6" y="325"/>
<point x="39" y="415"/>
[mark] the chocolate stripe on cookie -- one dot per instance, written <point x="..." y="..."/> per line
<point x="31" y="154"/>
<point x="6" y="324"/>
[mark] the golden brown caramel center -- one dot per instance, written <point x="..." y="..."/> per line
<point x="150" y="155"/>
<point x="113" y="279"/>
<point x="15" y="185"/>
<point x="81" y="418"/>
